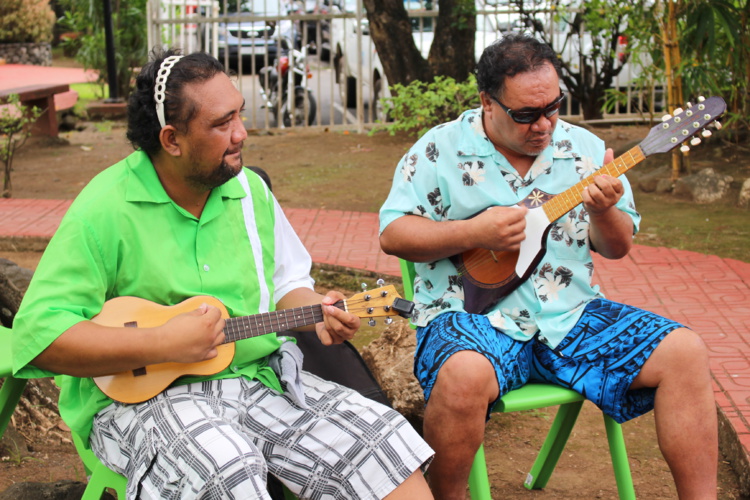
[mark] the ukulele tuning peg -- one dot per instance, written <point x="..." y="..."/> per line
<point x="717" y="124"/>
<point x="364" y="287"/>
<point x="388" y="320"/>
<point x="677" y="111"/>
<point x="701" y="98"/>
<point x="371" y="322"/>
<point x="666" y="117"/>
<point x="684" y="148"/>
<point x="695" y="141"/>
<point x="380" y="282"/>
<point x="706" y="133"/>
<point x="689" y="105"/>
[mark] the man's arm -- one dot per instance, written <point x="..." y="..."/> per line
<point x="611" y="230"/>
<point x="88" y="349"/>
<point x="419" y="239"/>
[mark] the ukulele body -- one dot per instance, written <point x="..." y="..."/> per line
<point x="489" y="276"/>
<point x="141" y="384"/>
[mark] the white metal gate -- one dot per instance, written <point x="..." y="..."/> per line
<point x="346" y="79"/>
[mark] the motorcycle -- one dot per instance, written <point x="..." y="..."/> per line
<point x="288" y="76"/>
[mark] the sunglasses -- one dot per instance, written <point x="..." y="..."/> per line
<point x="530" y="115"/>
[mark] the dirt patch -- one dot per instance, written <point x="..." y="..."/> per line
<point x="346" y="171"/>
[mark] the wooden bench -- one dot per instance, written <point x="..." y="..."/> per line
<point x="43" y="97"/>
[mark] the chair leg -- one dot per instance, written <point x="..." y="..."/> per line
<point x="288" y="495"/>
<point x="479" y="481"/>
<point x="553" y="445"/>
<point x="10" y="394"/>
<point x="620" y="461"/>
<point x="101" y="479"/>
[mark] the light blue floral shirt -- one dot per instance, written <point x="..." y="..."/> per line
<point x="454" y="171"/>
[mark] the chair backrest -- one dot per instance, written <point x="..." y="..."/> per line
<point x="6" y="365"/>
<point x="407" y="275"/>
<point x="12" y="389"/>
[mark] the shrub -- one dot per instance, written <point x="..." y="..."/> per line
<point x="419" y="106"/>
<point x="26" y="21"/>
<point x="15" y="127"/>
<point x="86" y="18"/>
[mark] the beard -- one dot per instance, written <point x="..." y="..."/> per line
<point x="216" y="177"/>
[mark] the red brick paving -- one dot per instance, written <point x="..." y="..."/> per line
<point x="707" y="293"/>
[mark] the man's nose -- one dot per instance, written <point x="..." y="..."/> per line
<point x="239" y="133"/>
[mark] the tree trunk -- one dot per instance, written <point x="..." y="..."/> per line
<point x="390" y="30"/>
<point x="452" y="52"/>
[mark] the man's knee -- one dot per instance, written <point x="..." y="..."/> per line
<point x="681" y="355"/>
<point x="465" y="377"/>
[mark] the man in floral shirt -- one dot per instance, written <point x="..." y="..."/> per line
<point x="477" y="183"/>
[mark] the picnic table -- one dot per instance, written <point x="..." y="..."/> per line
<point x="42" y="96"/>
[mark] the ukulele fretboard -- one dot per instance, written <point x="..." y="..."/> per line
<point x="560" y="204"/>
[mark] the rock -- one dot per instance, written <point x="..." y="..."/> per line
<point x="19" y="276"/>
<point x="704" y="187"/>
<point x="61" y="490"/>
<point x="648" y="182"/>
<point x="744" y="198"/>
<point x="391" y="360"/>
<point x="664" y="186"/>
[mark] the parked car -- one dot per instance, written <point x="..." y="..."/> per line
<point x="257" y="32"/>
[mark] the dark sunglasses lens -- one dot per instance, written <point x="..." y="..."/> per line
<point x="526" y="116"/>
<point x="553" y="108"/>
<point x="532" y="116"/>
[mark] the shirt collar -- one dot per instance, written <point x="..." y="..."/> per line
<point x="144" y="185"/>
<point x="473" y="140"/>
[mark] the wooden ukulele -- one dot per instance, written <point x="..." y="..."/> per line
<point x="489" y="276"/>
<point x="142" y="384"/>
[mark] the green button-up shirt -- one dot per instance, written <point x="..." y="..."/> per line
<point x="124" y="236"/>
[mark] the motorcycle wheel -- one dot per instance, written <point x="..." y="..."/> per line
<point x="298" y="118"/>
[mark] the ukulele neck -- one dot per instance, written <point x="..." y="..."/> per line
<point x="563" y="202"/>
<point x="245" y="327"/>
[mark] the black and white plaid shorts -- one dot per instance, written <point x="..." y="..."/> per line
<point x="220" y="439"/>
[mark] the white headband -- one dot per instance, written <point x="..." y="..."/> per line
<point x="161" y="85"/>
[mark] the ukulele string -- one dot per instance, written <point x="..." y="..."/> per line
<point x="260" y="324"/>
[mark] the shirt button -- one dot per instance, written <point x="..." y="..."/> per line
<point x="206" y="267"/>
<point x="542" y="339"/>
<point x="235" y="368"/>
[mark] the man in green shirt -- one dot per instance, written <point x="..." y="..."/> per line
<point x="181" y="218"/>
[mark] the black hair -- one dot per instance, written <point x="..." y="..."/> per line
<point x="143" y="123"/>
<point x="513" y="54"/>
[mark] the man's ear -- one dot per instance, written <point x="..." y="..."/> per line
<point x="169" y="140"/>
<point x="486" y="101"/>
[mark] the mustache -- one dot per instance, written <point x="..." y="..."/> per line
<point x="233" y="151"/>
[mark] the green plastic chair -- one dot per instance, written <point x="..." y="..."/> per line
<point x="534" y="396"/>
<point x="10" y="393"/>
<point x="100" y="476"/>
<point x="13" y="387"/>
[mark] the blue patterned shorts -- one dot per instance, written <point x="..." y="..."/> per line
<point x="599" y="358"/>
